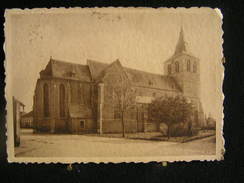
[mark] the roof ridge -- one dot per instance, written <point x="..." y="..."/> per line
<point x="103" y="72"/>
<point x="66" y="62"/>
<point x="62" y="69"/>
<point x="30" y="113"/>
<point x="146" y="72"/>
<point x="90" y="60"/>
<point x="109" y="64"/>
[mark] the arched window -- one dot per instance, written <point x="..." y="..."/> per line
<point x="46" y="100"/>
<point x="62" y="100"/>
<point x="195" y="67"/>
<point x="188" y="65"/>
<point x="177" y="68"/>
<point x="169" y="69"/>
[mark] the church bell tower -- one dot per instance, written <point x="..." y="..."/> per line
<point x="184" y="68"/>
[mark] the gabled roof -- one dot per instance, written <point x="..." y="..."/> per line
<point x="137" y="77"/>
<point x="65" y="70"/>
<point x="96" y="68"/>
<point x="116" y="63"/>
<point x="95" y="71"/>
<point x="29" y="114"/>
<point x="18" y="101"/>
<point x="151" y="80"/>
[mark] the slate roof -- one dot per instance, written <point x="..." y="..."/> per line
<point x="182" y="48"/>
<point x="173" y="57"/>
<point x="138" y="78"/>
<point x="94" y="70"/>
<point x="18" y="101"/>
<point x="65" y="70"/>
<point x="79" y="111"/>
<point x="150" y="80"/>
<point x="181" y="45"/>
<point x="29" y="114"/>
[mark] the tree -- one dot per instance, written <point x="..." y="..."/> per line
<point x="171" y="111"/>
<point x="123" y="95"/>
<point x="211" y="123"/>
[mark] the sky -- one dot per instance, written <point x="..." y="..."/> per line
<point x="140" y="38"/>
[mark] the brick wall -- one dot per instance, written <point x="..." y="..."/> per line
<point x="189" y="81"/>
<point x="75" y="125"/>
<point x="115" y="126"/>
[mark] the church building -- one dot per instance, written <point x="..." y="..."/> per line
<point x="75" y="98"/>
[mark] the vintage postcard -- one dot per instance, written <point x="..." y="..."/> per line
<point x="114" y="84"/>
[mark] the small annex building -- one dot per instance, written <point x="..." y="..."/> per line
<point x="27" y="120"/>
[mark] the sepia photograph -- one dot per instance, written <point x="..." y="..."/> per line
<point x="114" y="84"/>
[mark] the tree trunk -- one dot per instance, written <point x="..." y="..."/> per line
<point x="123" y="124"/>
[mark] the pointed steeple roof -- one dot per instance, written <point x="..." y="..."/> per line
<point x="181" y="46"/>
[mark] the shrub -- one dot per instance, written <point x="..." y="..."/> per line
<point x="171" y="111"/>
<point x="181" y="130"/>
<point x="178" y="130"/>
<point x="163" y="128"/>
<point x="194" y="132"/>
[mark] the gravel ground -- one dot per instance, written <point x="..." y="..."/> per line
<point x="40" y="145"/>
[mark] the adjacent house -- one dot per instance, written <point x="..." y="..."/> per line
<point x="27" y="120"/>
<point x="18" y="109"/>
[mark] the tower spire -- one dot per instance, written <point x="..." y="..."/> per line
<point x="181" y="44"/>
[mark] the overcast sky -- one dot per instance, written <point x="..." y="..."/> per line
<point x="141" y="39"/>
